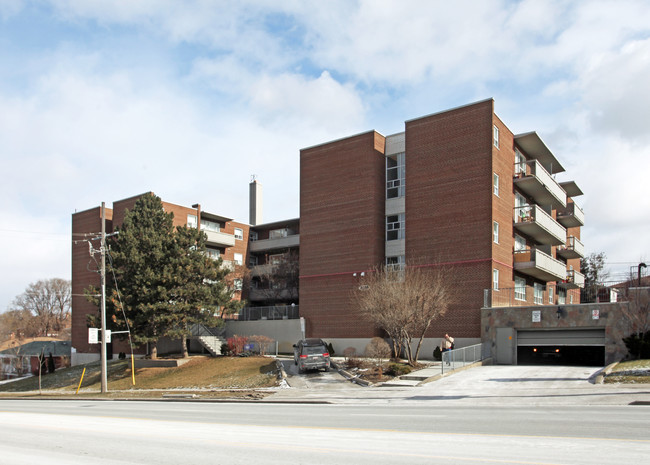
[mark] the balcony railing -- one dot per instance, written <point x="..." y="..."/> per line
<point x="574" y="280"/>
<point x="535" y="222"/>
<point x="573" y="249"/>
<point x="282" y="312"/>
<point x="571" y="216"/>
<point x="275" y="243"/>
<point x="534" y="180"/>
<point x="540" y="265"/>
<point x="219" y="238"/>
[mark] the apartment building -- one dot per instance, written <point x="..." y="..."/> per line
<point x="226" y="239"/>
<point x="457" y="190"/>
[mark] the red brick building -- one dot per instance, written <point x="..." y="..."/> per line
<point x="226" y="239"/>
<point x="456" y="189"/>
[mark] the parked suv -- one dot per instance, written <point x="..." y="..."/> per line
<point x="311" y="354"/>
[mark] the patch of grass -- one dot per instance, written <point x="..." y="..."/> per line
<point x="201" y="373"/>
<point x="631" y="372"/>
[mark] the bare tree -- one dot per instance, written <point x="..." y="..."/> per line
<point x="49" y="302"/>
<point x="404" y="303"/>
<point x="378" y="350"/>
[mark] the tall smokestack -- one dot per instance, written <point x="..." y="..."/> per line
<point x="255" y="202"/>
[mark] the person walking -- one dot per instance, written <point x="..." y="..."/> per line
<point x="446" y="344"/>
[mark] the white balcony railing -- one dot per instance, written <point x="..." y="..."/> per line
<point x="572" y="216"/>
<point x="535" y="222"/>
<point x="540" y="265"/>
<point x="573" y="248"/>
<point x="533" y="179"/>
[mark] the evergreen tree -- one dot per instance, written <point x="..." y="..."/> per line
<point x="167" y="283"/>
<point x="140" y="254"/>
<point x="198" y="285"/>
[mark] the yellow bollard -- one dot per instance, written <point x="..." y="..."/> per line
<point x="132" y="370"/>
<point x="80" y="381"/>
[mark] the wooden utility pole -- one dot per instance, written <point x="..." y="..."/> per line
<point x="103" y="302"/>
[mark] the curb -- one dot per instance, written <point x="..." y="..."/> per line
<point x="600" y="376"/>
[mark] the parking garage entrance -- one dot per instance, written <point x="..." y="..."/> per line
<point x="572" y="347"/>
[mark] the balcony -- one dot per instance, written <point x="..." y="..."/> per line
<point x="534" y="180"/>
<point x="573" y="249"/>
<point x="219" y="239"/>
<point x="256" y="295"/>
<point x="275" y="243"/>
<point x="535" y="222"/>
<point x="571" y="216"/>
<point x="540" y="265"/>
<point x="574" y="280"/>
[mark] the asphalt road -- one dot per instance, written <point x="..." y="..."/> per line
<point x="136" y="432"/>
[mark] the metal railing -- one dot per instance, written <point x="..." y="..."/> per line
<point x="458" y="358"/>
<point x="284" y="312"/>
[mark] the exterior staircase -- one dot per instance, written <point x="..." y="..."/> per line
<point x="210" y="338"/>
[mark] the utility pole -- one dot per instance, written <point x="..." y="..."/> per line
<point x="103" y="302"/>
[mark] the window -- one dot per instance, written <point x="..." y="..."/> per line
<point x="395" y="227"/>
<point x="252" y="236"/>
<point x="520" y="243"/>
<point x="561" y="296"/>
<point x="278" y="233"/>
<point x="495" y="279"/>
<point x="495" y="135"/>
<point x="522" y="209"/>
<point x="191" y="221"/>
<point x="395" y="175"/>
<point x="395" y="263"/>
<point x="239" y="233"/>
<point x="550" y="295"/>
<point x="238" y="259"/>
<point x="496" y="184"/>
<point x="238" y="284"/>
<point x="213" y="253"/>
<point x="252" y="261"/>
<point x="276" y="259"/>
<point x="520" y="163"/>
<point x="495" y="232"/>
<point x="210" y="226"/>
<point x="539" y="294"/>
<point x="520" y="288"/>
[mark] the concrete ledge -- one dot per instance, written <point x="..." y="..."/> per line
<point x="600" y="376"/>
<point x="160" y="363"/>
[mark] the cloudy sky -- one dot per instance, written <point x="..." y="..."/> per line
<point x="101" y="100"/>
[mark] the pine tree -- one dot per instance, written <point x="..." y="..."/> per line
<point x="140" y="260"/>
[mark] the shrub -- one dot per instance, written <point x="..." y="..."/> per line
<point x="437" y="354"/>
<point x="350" y="352"/>
<point x="638" y="345"/>
<point x="398" y="369"/>
<point x="263" y="342"/>
<point x="236" y="344"/>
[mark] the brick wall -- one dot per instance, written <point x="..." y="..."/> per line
<point x="342" y="225"/>
<point x="449" y="206"/>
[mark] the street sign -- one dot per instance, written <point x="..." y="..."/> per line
<point x="537" y="316"/>
<point x="108" y="336"/>
<point x="93" y="336"/>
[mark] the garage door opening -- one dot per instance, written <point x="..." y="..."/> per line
<point x="573" y="347"/>
<point x="593" y="356"/>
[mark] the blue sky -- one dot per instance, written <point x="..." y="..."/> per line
<point x="102" y="100"/>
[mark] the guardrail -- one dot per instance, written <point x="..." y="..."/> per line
<point x="285" y="312"/>
<point x="458" y="358"/>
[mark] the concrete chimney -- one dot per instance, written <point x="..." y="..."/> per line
<point x="255" y="202"/>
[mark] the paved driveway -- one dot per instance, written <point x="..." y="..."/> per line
<point x="490" y="385"/>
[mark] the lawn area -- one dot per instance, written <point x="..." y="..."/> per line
<point x="200" y="376"/>
<point x="631" y="372"/>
